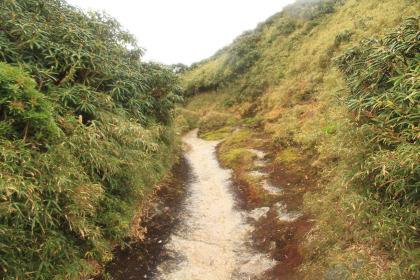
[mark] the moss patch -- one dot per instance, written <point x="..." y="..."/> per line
<point x="217" y="134"/>
<point x="239" y="139"/>
<point x="288" y="155"/>
<point x="237" y="157"/>
<point x="295" y="160"/>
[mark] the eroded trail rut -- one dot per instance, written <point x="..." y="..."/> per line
<point x="211" y="240"/>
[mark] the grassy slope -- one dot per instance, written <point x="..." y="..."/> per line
<point x="293" y="83"/>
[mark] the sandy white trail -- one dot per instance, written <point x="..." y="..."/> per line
<point x="210" y="242"/>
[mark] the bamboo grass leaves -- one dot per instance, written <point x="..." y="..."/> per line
<point x="63" y="49"/>
<point x="23" y="109"/>
<point x="384" y="91"/>
<point x="85" y="133"/>
<point x="383" y="78"/>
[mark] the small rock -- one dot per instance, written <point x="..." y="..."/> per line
<point x="257" y="213"/>
<point x="271" y="189"/>
<point x="339" y="272"/>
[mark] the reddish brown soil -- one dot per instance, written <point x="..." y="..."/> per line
<point x="285" y="236"/>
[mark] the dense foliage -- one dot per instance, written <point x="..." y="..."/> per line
<point x="384" y="93"/>
<point x="85" y="132"/>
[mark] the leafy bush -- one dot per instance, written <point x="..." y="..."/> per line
<point x="189" y="119"/>
<point x="85" y="133"/>
<point x="286" y="26"/>
<point x="212" y="121"/>
<point x="228" y="103"/>
<point x="24" y="109"/>
<point x="77" y="58"/>
<point x="382" y="75"/>
<point x="344" y="36"/>
<point x="243" y="53"/>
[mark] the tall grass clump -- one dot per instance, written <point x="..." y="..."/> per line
<point x="86" y="130"/>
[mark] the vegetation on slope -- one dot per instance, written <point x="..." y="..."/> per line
<point x="86" y="130"/>
<point x="363" y="141"/>
<point x="383" y="142"/>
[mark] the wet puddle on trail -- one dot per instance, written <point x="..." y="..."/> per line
<point x="210" y="241"/>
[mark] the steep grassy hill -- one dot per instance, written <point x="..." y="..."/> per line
<point x="334" y="86"/>
<point x="86" y="131"/>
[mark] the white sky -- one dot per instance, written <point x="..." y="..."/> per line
<point x="185" y="31"/>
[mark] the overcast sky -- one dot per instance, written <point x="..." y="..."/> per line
<point x="185" y="31"/>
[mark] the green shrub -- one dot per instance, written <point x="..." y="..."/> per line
<point x="85" y="133"/>
<point x="286" y="26"/>
<point x="344" y="36"/>
<point x="382" y="75"/>
<point x="25" y="112"/>
<point x="329" y="129"/>
<point x="212" y="121"/>
<point x="243" y="53"/>
<point x="228" y="103"/>
<point x="280" y="74"/>
<point x="190" y="117"/>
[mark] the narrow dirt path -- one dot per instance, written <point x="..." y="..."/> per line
<point x="211" y="240"/>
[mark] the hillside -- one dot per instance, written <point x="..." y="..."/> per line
<point x="329" y="89"/>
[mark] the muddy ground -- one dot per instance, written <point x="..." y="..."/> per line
<point x="281" y="239"/>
